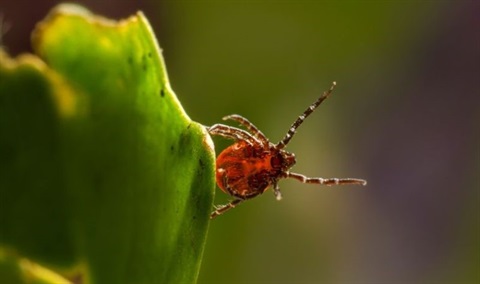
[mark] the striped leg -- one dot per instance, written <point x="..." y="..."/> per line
<point x="224" y="208"/>
<point x="233" y="133"/>
<point x="326" y="181"/>
<point x="250" y="126"/>
<point x="301" y="118"/>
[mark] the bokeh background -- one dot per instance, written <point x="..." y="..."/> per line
<point x="405" y="116"/>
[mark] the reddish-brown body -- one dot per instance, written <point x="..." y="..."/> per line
<point x="245" y="171"/>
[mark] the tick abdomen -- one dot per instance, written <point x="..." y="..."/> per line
<point x="243" y="171"/>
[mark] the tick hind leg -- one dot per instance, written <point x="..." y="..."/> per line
<point x="219" y="210"/>
<point x="326" y="181"/>
<point x="224" y="208"/>
<point x="233" y="133"/>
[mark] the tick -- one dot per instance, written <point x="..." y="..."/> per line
<point x="253" y="164"/>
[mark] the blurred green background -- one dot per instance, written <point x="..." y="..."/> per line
<point x="405" y="116"/>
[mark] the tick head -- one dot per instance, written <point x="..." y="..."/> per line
<point x="282" y="161"/>
<point x="289" y="160"/>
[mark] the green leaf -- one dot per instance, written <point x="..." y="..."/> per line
<point x="103" y="176"/>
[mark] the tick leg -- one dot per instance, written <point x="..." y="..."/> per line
<point x="233" y="133"/>
<point x="250" y="126"/>
<point x="224" y="208"/>
<point x="326" y="181"/>
<point x="276" y="191"/>
<point x="301" y="118"/>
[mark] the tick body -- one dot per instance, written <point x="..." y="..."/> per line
<point x="252" y="164"/>
<point x="245" y="171"/>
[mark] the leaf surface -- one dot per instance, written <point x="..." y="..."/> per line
<point x="103" y="176"/>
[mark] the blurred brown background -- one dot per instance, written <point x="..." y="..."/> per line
<point x="405" y="116"/>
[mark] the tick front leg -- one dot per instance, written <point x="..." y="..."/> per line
<point x="233" y="133"/>
<point x="250" y="126"/>
<point x="224" y="208"/>
<point x="326" y="181"/>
